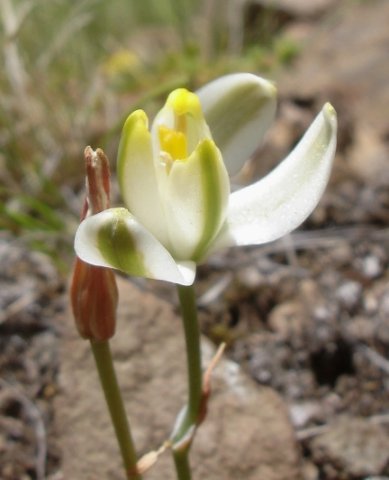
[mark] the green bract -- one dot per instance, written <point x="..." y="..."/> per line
<point x="174" y="181"/>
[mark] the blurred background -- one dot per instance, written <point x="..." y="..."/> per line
<point x="72" y="72"/>
<point x="307" y="316"/>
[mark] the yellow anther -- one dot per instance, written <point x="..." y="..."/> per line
<point x="172" y="142"/>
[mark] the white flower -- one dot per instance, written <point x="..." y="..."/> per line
<point x="174" y="182"/>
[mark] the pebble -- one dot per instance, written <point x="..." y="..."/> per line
<point x="371" y="266"/>
<point x="357" y="445"/>
<point x="301" y="414"/>
<point x="349" y="294"/>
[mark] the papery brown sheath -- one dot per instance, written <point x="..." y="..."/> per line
<point x="93" y="291"/>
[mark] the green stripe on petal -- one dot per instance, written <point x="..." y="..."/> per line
<point x="137" y="175"/>
<point x="214" y="194"/>
<point x="117" y="244"/>
<point x="196" y="197"/>
<point x="115" y="239"/>
<point x="238" y="109"/>
<point x="135" y="137"/>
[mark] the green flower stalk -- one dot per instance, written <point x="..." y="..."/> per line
<point x="94" y="299"/>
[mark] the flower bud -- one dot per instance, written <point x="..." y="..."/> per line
<point x="93" y="292"/>
<point x="94" y="297"/>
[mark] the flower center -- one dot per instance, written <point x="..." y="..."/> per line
<point x="173" y="142"/>
<point x="185" y="107"/>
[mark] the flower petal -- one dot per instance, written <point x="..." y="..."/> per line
<point x="282" y="200"/>
<point x="196" y="197"/>
<point x="238" y="109"/>
<point x="137" y="176"/>
<point x="114" y="238"/>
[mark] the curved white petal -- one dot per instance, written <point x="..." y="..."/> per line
<point x="115" y="239"/>
<point x="282" y="200"/>
<point x="239" y="109"/>
<point x="137" y="176"/>
<point x="196" y="197"/>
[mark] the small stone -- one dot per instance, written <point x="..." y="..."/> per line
<point x="301" y="414"/>
<point x="349" y="294"/>
<point x="249" y="277"/>
<point x="361" y="329"/>
<point x="371" y="266"/>
<point x="288" y="319"/>
<point x="310" y="471"/>
<point x="355" y="445"/>
<point x="370" y="303"/>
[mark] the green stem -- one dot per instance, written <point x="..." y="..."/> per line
<point x="103" y="358"/>
<point x="181" y="462"/>
<point x="192" y="340"/>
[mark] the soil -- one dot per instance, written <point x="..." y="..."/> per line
<point x="306" y="317"/>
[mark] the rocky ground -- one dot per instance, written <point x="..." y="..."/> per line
<point x="303" y="390"/>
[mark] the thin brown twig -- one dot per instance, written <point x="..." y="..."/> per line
<point x="212" y="365"/>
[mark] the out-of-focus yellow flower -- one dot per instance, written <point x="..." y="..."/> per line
<point x="120" y="63"/>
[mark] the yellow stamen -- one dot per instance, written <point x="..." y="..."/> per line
<point x="173" y="142"/>
<point x="185" y="105"/>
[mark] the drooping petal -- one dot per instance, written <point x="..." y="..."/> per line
<point x="238" y="109"/>
<point x="281" y="201"/>
<point x="114" y="238"/>
<point x="196" y="197"/>
<point x="137" y="175"/>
